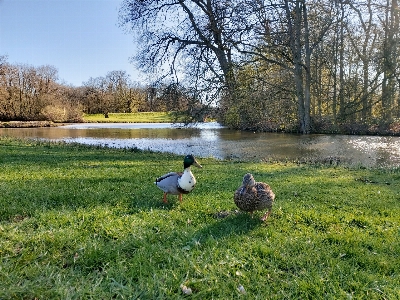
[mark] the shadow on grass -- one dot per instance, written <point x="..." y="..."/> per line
<point x="234" y="224"/>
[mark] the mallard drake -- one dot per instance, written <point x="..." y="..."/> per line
<point x="178" y="183"/>
<point x="252" y="196"/>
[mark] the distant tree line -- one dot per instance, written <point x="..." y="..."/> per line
<point x="30" y="93"/>
<point x="290" y="65"/>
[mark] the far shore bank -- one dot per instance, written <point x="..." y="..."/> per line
<point x="28" y="124"/>
<point x="164" y="118"/>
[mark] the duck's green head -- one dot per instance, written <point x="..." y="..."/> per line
<point x="190" y="160"/>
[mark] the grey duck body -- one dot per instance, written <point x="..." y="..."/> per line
<point x="178" y="183"/>
<point x="168" y="183"/>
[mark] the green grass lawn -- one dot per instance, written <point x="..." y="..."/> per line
<point x="79" y="222"/>
<point x="143" y="117"/>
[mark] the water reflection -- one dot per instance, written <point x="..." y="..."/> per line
<point x="210" y="139"/>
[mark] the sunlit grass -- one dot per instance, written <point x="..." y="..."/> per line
<point x="143" y="117"/>
<point x="80" y="222"/>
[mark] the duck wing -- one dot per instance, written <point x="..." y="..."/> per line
<point x="265" y="195"/>
<point x="246" y="198"/>
<point x="169" y="182"/>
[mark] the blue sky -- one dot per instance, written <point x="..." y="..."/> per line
<point x="81" y="38"/>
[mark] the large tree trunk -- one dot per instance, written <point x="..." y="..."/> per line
<point x="390" y="55"/>
<point x="296" y="20"/>
<point x="307" y="83"/>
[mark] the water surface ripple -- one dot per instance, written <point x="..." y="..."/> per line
<point x="213" y="140"/>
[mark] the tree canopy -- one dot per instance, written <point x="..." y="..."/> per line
<point x="296" y="64"/>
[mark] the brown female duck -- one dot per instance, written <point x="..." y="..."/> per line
<point x="252" y="196"/>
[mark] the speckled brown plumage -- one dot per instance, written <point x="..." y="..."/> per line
<point x="252" y="196"/>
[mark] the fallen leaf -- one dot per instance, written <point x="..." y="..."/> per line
<point x="186" y="290"/>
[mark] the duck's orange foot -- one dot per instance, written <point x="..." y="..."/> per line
<point x="265" y="217"/>
<point x="165" y="198"/>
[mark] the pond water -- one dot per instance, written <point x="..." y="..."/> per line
<point x="213" y="140"/>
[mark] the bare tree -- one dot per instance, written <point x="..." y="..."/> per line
<point x="280" y="34"/>
<point x="26" y="90"/>
<point x="98" y="100"/>
<point x="390" y="53"/>
<point x="118" y="83"/>
<point x="137" y="98"/>
<point x="180" y="36"/>
<point x="363" y="40"/>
